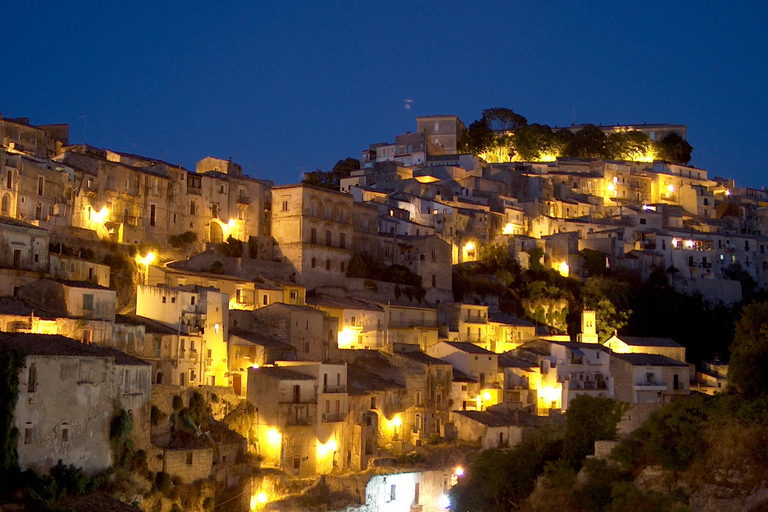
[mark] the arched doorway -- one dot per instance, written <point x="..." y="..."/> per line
<point x="216" y="234"/>
<point x="6" y="206"/>
<point x="159" y="379"/>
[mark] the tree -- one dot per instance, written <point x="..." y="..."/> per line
<point x="633" y="145"/>
<point x="478" y="138"/>
<point x="589" y="419"/>
<point x="589" y="142"/>
<point x="748" y="367"/>
<point x="332" y="179"/>
<point x="501" y="119"/>
<point x="674" y="148"/>
<point x="609" y="298"/>
<point x="534" y="141"/>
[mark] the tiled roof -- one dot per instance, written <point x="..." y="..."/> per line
<point x="510" y="361"/>
<point x="500" y="419"/>
<point x="496" y="316"/>
<point x="421" y="357"/>
<point x="283" y="373"/>
<point x="641" y="341"/>
<point x="459" y="376"/>
<point x="648" y="360"/>
<point x="251" y="338"/>
<point x="10" y="221"/>
<point x="57" y="345"/>
<point x="469" y="348"/>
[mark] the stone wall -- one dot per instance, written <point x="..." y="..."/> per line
<point x="189" y="465"/>
<point x="635" y="416"/>
<point x="227" y="400"/>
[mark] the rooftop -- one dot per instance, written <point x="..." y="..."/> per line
<point x="641" y="341"/>
<point x="57" y="345"/>
<point x="501" y="418"/>
<point x="648" y="360"/>
<point x="277" y="372"/>
<point x="469" y="348"/>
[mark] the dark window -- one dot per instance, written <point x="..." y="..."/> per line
<point x="32" y="378"/>
<point x="152" y="214"/>
<point x="189" y="458"/>
<point x="88" y="301"/>
<point x="328" y="265"/>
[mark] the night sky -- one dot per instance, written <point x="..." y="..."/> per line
<point x="286" y="86"/>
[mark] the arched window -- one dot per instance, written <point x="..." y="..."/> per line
<point x="6" y="207"/>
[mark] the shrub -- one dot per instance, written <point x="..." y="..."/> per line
<point x="163" y="482"/>
<point x="178" y="403"/>
<point x="157" y="416"/>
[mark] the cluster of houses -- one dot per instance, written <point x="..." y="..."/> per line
<point x="338" y="372"/>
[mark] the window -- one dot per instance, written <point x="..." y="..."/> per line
<point x="65" y="433"/>
<point x="152" y="215"/>
<point x="392" y="493"/>
<point x="642" y="221"/>
<point x="9" y="179"/>
<point x="192" y="208"/>
<point x="214" y="210"/>
<point x="328" y="238"/>
<point x="365" y="224"/>
<point x="328" y="265"/>
<point x="373" y="402"/>
<point x="341" y="215"/>
<point x="88" y="302"/>
<point x="341" y="267"/>
<point x="342" y="241"/>
<point x="189" y="458"/>
<point x="434" y="254"/>
<point x="192" y="300"/>
<point x="28" y="434"/>
<point x="313" y="236"/>
<point x="285" y="205"/>
<point x="32" y="378"/>
<point x="314" y="262"/>
<point x="434" y="280"/>
<point x="328" y="212"/>
<point x="164" y="299"/>
<point x="40" y="185"/>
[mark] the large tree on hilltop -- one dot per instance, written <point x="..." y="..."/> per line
<point x="503" y="119"/>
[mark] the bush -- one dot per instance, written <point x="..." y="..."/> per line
<point x="178" y="403"/>
<point x="163" y="482"/>
<point x="157" y="416"/>
<point x="253" y="247"/>
<point x="232" y="248"/>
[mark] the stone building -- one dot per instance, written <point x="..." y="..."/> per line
<point x="478" y="363"/>
<point x="45" y="140"/>
<point x="314" y="228"/>
<point x="68" y="394"/>
<point x="23" y="254"/>
<point x="223" y="201"/>
<point x="649" y="378"/>
<point x="310" y="331"/>
<point x="302" y="411"/>
<point x="192" y="310"/>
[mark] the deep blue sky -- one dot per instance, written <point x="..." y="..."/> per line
<point x="304" y="84"/>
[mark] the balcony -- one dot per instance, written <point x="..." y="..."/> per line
<point x="475" y="320"/>
<point x="330" y="417"/>
<point x="334" y="389"/>
<point x="243" y="199"/>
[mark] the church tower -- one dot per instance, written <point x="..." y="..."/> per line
<point x="588" y="328"/>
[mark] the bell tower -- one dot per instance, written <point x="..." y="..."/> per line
<point x="588" y="327"/>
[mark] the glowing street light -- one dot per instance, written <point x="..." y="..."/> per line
<point x="145" y="260"/>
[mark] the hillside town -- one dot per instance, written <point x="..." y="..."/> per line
<point x="273" y="344"/>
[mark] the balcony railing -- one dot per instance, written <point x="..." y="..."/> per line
<point x="329" y="417"/>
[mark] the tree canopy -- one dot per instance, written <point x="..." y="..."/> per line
<point x="332" y="179"/>
<point x="748" y="367"/>
<point x="502" y="135"/>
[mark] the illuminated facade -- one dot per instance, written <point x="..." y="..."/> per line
<point x="193" y="310"/>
